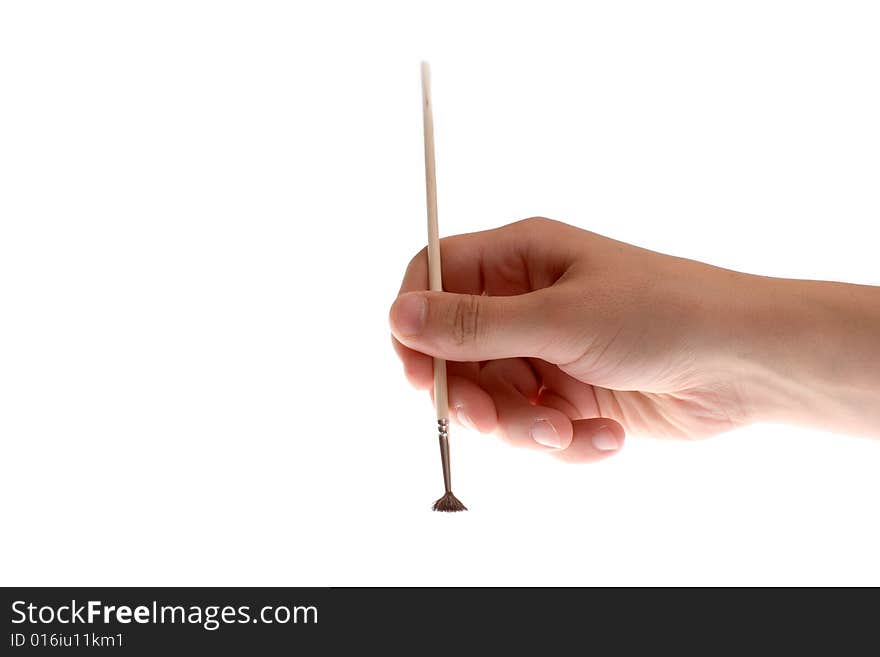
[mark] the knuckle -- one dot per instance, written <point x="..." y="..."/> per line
<point x="532" y="222"/>
<point x="467" y="319"/>
<point x="534" y="225"/>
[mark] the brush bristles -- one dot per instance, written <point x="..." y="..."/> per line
<point x="449" y="503"/>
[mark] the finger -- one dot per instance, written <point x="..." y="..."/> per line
<point x="593" y="440"/>
<point x="467" y="327"/>
<point x="513" y="259"/>
<point x="461" y="272"/>
<point x="514" y="372"/>
<point x="552" y="400"/>
<point x="467" y="370"/>
<point x="509" y="261"/>
<point x="470" y="405"/>
<point x="578" y="395"/>
<point x="458" y="275"/>
<point x="460" y="266"/>
<point x="417" y="367"/>
<point x="523" y="424"/>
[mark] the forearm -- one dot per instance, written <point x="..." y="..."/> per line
<point x="808" y="351"/>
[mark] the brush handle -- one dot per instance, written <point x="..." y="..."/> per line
<point x="435" y="277"/>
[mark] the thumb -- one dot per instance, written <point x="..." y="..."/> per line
<point x="468" y="327"/>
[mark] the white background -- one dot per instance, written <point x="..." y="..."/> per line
<point x="205" y="212"/>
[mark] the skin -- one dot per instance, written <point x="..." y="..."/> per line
<point x="565" y="341"/>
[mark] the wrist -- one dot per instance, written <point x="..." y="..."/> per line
<point x="803" y="351"/>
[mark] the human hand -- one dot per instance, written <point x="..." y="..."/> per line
<point x="564" y="340"/>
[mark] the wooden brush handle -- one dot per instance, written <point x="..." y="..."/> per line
<point x="435" y="278"/>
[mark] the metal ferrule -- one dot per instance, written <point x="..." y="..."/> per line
<point x="443" y="433"/>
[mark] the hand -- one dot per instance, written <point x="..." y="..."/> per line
<point x="564" y="340"/>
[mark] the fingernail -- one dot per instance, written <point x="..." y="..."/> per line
<point x="545" y="434"/>
<point x="605" y="441"/>
<point x="463" y="419"/>
<point x="408" y="314"/>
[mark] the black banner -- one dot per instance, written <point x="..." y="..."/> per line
<point x="329" y="621"/>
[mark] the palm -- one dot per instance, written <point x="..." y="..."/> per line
<point x="692" y="412"/>
<point x="696" y="411"/>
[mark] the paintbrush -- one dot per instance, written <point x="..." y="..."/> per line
<point x="448" y="502"/>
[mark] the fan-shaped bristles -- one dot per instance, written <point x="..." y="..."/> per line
<point x="450" y="503"/>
